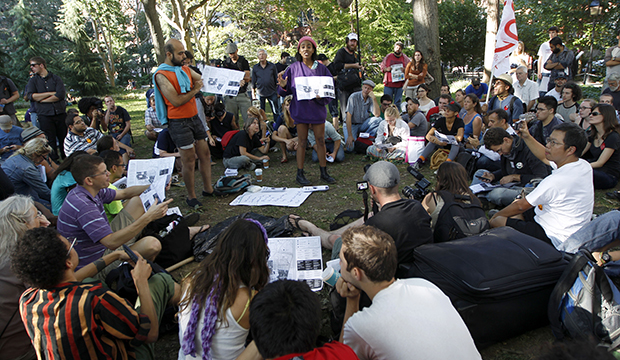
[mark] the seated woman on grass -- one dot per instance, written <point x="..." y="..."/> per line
<point x="392" y="134"/>
<point x="603" y="145"/>
<point x="285" y="131"/>
<point x="244" y="150"/>
<point x="448" y="124"/>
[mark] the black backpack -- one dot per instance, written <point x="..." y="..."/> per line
<point x="468" y="161"/>
<point x="457" y="219"/>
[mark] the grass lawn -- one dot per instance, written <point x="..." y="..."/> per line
<point x="320" y="208"/>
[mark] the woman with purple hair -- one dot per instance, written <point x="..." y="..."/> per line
<point x="214" y="318"/>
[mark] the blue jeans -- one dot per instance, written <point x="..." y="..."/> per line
<point x="273" y="101"/>
<point x="603" y="180"/>
<point x="594" y="235"/>
<point x="330" y="147"/>
<point x="355" y="131"/>
<point x="371" y="125"/>
<point x="499" y="196"/>
<point x="125" y="140"/>
<point x="484" y="162"/>
<point x="396" y="93"/>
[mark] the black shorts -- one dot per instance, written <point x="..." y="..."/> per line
<point x="185" y="131"/>
<point x="529" y="226"/>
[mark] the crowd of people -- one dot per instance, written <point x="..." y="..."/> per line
<point x="541" y="149"/>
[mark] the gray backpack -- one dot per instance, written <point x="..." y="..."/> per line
<point x="585" y="302"/>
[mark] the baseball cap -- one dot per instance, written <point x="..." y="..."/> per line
<point x="561" y="75"/>
<point x="352" y="36"/>
<point x="6" y="123"/>
<point x="400" y="43"/>
<point x="475" y="81"/>
<point x="382" y="174"/>
<point x="454" y="106"/>
<point x="231" y="48"/>
<point x="369" y="83"/>
<point x="415" y="100"/>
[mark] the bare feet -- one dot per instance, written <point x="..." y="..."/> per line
<point x="195" y="230"/>
<point x="306" y="226"/>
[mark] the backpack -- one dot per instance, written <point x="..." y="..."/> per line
<point x="173" y="234"/>
<point x="511" y="106"/>
<point x="227" y="137"/>
<point x="468" y="161"/>
<point x="233" y="184"/>
<point x="458" y="220"/>
<point x="585" y="303"/>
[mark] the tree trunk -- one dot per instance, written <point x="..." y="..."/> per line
<point x="426" y="38"/>
<point x="157" y="36"/>
<point x="112" y="73"/>
<point x="489" y="47"/>
<point x="108" y="72"/>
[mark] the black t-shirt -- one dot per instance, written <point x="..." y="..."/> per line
<point x="242" y="65"/>
<point x="440" y="125"/>
<point x="280" y="67"/>
<point x="165" y="143"/>
<point x="343" y="57"/>
<point x="407" y="222"/>
<point x="612" y="166"/>
<point x="240" y="139"/>
<point x="219" y="128"/>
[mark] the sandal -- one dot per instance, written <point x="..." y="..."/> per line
<point x="295" y="223"/>
<point x="284" y="160"/>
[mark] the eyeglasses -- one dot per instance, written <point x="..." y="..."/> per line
<point x="540" y="109"/>
<point x="35" y="64"/>
<point x="40" y="214"/>
<point x="384" y="104"/>
<point x="585" y="108"/>
<point x="71" y="247"/>
<point x="595" y="113"/>
<point x="80" y="121"/>
<point x="101" y="173"/>
<point x="119" y="165"/>
<point x="552" y="142"/>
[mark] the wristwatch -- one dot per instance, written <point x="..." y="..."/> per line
<point x="605" y="257"/>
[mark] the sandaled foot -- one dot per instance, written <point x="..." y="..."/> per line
<point x="284" y="160"/>
<point x="295" y="221"/>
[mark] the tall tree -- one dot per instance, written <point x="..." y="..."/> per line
<point x="492" y="7"/>
<point x="157" y="35"/>
<point x="426" y="38"/>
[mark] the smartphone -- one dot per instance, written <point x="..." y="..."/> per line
<point x="483" y="178"/>
<point x="131" y="254"/>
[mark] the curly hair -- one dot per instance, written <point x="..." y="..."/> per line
<point x="38" y="258"/>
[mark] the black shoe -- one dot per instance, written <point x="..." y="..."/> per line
<point x="325" y="176"/>
<point x="301" y="178"/>
<point x="193" y="203"/>
<point x="214" y="193"/>
<point x="613" y="195"/>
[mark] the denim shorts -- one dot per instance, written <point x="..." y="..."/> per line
<point x="185" y="131"/>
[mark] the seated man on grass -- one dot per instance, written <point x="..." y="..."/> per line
<point x="408" y="318"/>
<point x="563" y="202"/>
<point x="404" y="219"/>
<point x="285" y="321"/>
<point x="82" y="215"/>
<point x="88" y="320"/>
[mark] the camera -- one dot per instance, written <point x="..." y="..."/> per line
<point x="418" y="190"/>
<point x="362" y="186"/>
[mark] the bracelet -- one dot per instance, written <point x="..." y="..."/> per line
<point x="100" y="264"/>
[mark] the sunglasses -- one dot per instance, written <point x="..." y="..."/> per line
<point x="35" y="64"/>
<point x="71" y="247"/>
<point x="595" y="113"/>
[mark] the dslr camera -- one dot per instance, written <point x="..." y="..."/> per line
<point x="418" y="190"/>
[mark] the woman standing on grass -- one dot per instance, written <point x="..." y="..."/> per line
<point x="214" y="320"/>
<point x="415" y="73"/>
<point x="306" y="113"/>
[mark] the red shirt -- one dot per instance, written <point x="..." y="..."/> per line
<point x="333" y="350"/>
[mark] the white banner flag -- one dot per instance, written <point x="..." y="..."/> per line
<point x="506" y="40"/>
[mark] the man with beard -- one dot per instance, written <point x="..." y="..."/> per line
<point x="176" y="87"/>
<point x="346" y="59"/>
<point x="80" y="136"/>
<point x="393" y="68"/>
<point x="241" y="102"/>
<point x="544" y="51"/>
<point x="560" y="61"/>
<point x="415" y="118"/>
<point x="614" y="89"/>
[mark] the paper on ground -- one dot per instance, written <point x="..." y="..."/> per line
<point x="296" y="259"/>
<point x="145" y="172"/>
<point x="220" y="81"/>
<point x="308" y="87"/>
<point x="288" y="197"/>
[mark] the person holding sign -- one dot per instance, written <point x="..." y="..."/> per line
<point x="309" y="113"/>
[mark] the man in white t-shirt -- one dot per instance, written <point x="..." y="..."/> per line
<point x="543" y="54"/>
<point x="408" y="318"/>
<point x="563" y="202"/>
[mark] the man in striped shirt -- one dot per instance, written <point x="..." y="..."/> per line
<point x="80" y="136"/>
<point x="82" y="215"/>
<point x="69" y="319"/>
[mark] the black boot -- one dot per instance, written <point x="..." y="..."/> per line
<point x="325" y="176"/>
<point x="301" y="178"/>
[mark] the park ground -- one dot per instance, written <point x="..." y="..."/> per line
<point x="320" y="208"/>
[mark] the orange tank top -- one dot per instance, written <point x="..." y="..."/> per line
<point x="186" y="110"/>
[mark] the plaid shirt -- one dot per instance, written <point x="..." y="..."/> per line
<point x="150" y="118"/>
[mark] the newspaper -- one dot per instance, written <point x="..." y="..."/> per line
<point x="308" y="87"/>
<point x="272" y="196"/>
<point x="156" y="193"/>
<point x="448" y="139"/>
<point x="145" y="172"/>
<point x="296" y="259"/>
<point x="220" y="81"/>
<point x="121" y="183"/>
<point x="398" y="73"/>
